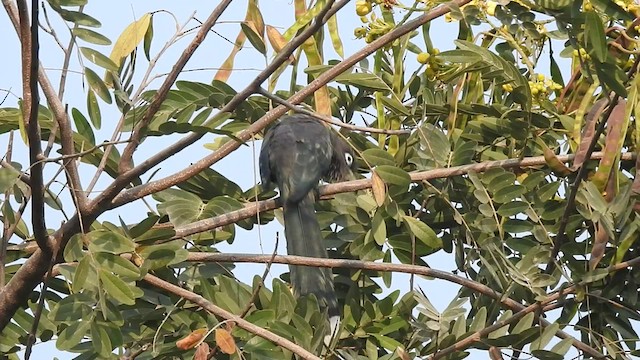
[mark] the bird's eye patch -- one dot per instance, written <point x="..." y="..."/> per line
<point x="348" y="158"/>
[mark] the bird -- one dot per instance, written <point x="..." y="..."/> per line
<point x="295" y="155"/>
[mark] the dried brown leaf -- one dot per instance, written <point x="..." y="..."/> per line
<point x="379" y="188"/>
<point x="225" y="341"/>
<point x="189" y="341"/>
<point x="599" y="245"/>
<point x="202" y="352"/>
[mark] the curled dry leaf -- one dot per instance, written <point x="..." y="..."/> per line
<point x="189" y="341"/>
<point x="599" y="245"/>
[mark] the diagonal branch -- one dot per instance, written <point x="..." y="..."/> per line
<point x="126" y="161"/>
<point x="244" y="324"/>
<point x="161" y="184"/>
<point x="282" y="56"/>
<point x="253" y="208"/>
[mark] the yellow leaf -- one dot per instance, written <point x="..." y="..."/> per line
<point x="130" y="38"/>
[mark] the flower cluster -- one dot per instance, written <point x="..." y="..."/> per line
<point x="375" y="27"/>
<point x="543" y="86"/>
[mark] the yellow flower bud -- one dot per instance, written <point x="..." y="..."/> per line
<point x="423" y="57"/>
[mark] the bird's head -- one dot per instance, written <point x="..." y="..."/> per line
<point x="343" y="160"/>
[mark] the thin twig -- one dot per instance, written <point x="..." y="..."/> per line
<point x="85" y="152"/>
<point x="329" y="120"/>
<point x="220" y="312"/>
<point x="144" y="82"/>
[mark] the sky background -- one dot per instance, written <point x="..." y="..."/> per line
<point x="240" y="166"/>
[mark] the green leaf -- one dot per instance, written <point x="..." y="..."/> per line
<point x="8" y="178"/>
<point x="96" y="83"/>
<point x="101" y="340"/>
<point x="254" y="38"/>
<point x="363" y="81"/>
<point x="512" y="208"/>
<point x="73" y="334"/>
<point x="117" y="265"/>
<point x="99" y="59"/>
<point x="479" y="320"/>
<point x="562" y="347"/>
<point x="82" y="125"/>
<point x="73" y="307"/>
<point x="379" y="228"/>
<point x="116" y="288"/>
<point x="91" y="36"/>
<point x="94" y="109"/>
<point x="148" y="37"/>
<point x="109" y="241"/>
<point x="182" y="207"/>
<point x="612" y="9"/>
<point x="393" y="175"/>
<point x="422" y="231"/>
<point x="595" y="36"/>
<point x="78" y="18"/>
<point x="83" y="271"/>
<point x="377" y="156"/>
<point x="544" y="339"/>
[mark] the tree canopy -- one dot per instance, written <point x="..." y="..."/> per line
<point x="510" y="152"/>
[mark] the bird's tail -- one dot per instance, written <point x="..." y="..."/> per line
<point x="304" y="239"/>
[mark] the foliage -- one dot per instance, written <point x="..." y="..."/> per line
<point x="523" y="85"/>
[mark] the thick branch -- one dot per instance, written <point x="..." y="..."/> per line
<point x="31" y="101"/>
<point x="58" y="110"/>
<point x="210" y="307"/>
<point x="254" y="208"/>
<point x="161" y="184"/>
<point x="126" y="161"/>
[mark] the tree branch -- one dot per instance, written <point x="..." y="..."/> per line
<point x="31" y="102"/>
<point x="254" y="208"/>
<point x="328" y="119"/>
<point x="408" y="269"/>
<point x="220" y="312"/>
<point x="58" y="110"/>
<point x="126" y="161"/>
